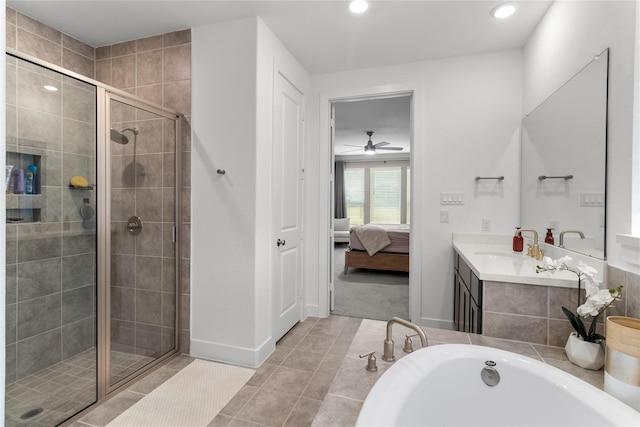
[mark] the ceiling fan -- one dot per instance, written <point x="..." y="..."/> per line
<point x="370" y="148"/>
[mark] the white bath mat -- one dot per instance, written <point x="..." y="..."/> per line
<point x="192" y="397"/>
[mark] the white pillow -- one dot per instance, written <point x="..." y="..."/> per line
<point x="341" y="224"/>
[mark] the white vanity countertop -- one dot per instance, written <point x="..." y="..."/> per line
<point x="491" y="257"/>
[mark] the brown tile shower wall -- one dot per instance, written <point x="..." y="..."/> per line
<point x="157" y="69"/>
<point x="33" y="38"/>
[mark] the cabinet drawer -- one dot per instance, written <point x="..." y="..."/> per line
<point x="476" y="289"/>
<point x="465" y="272"/>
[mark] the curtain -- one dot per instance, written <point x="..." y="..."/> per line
<point x="340" y="204"/>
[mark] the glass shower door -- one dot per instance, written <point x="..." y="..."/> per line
<point x="51" y="329"/>
<point x="143" y="298"/>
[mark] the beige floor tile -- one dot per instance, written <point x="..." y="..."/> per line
<point x="303" y="360"/>
<point x="239" y="400"/>
<point x="303" y="413"/>
<point x="261" y="375"/>
<point x="319" y="385"/>
<point x="337" y="412"/>
<point x="268" y="407"/>
<point x="316" y="343"/>
<point x="288" y="380"/>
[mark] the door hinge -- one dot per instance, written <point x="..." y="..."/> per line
<point x="173" y="234"/>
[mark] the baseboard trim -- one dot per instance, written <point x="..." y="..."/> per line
<point x="239" y="356"/>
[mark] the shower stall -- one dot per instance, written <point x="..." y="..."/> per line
<point x="92" y="208"/>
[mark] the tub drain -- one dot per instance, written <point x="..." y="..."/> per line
<point x="30" y="414"/>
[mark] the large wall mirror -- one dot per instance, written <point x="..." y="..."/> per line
<point x="564" y="149"/>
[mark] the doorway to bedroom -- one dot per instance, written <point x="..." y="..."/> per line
<point x="371" y="141"/>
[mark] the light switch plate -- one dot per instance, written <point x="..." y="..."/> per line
<point x="456" y="198"/>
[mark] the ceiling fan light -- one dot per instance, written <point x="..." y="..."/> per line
<point x="370" y="151"/>
<point x="358" y="6"/>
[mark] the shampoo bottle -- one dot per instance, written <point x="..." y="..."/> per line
<point x="28" y="181"/>
<point x="518" y="241"/>
<point x="549" y="237"/>
<point x="33" y="170"/>
<point x="18" y="183"/>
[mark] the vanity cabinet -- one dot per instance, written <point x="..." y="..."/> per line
<point x="467" y="300"/>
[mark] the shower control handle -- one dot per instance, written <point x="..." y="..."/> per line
<point x="134" y="225"/>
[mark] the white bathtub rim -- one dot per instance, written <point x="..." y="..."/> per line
<point x="401" y="379"/>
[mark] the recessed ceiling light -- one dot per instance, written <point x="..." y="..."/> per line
<point x="503" y="11"/>
<point x="51" y="88"/>
<point x="358" y="6"/>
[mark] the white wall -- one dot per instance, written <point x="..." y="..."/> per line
<point x="223" y="207"/>
<point x="232" y="66"/>
<point x="466" y="123"/>
<point x="568" y="37"/>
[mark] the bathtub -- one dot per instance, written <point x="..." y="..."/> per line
<point x="442" y="386"/>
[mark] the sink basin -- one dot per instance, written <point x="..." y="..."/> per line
<point x="498" y="255"/>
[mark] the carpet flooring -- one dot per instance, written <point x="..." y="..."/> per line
<point x="369" y="294"/>
<point x="193" y="397"/>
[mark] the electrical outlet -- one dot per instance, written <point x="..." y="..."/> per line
<point x="486" y="225"/>
<point x="444" y="215"/>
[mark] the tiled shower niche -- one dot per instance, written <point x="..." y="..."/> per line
<point x="23" y="205"/>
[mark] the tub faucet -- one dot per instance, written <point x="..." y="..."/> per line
<point x="562" y="233"/>
<point x="535" y="250"/>
<point x="387" y="355"/>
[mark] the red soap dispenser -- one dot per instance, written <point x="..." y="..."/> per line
<point x="549" y="237"/>
<point x="518" y="241"/>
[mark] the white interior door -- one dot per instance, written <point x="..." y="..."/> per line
<point x="287" y="203"/>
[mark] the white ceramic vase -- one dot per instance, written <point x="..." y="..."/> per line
<point x="588" y="355"/>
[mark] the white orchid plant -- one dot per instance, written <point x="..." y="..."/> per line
<point x="598" y="300"/>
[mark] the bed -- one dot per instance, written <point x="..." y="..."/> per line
<point x="378" y="255"/>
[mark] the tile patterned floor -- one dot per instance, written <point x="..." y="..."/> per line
<point x="316" y="377"/>
<point x="63" y="389"/>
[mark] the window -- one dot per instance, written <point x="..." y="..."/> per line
<point x="377" y="192"/>
<point x="354" y="190"/>
<point x="385" y="192"/>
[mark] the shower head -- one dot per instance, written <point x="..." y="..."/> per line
<point x="119" y="138"/>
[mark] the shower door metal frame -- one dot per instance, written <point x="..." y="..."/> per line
<point x="104" y="94"/>
<point x="104" y="98"/>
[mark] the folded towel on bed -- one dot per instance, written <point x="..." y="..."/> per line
<point x="373" y="238"/>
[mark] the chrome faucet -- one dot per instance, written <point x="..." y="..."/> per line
<point x="535" y="249"/>
<point x="387" y="355"/>
<point x="562" y="233"/>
